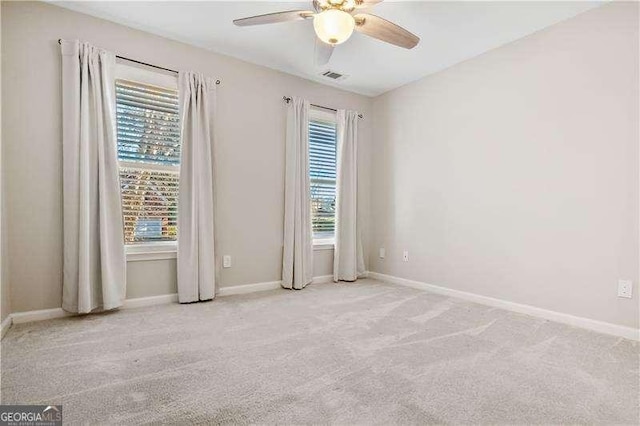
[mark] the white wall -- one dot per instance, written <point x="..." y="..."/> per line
<point x="250" y="151"/>
<point x="515" y="174"/>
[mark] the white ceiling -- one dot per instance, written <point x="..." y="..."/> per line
<point x="450" y="32"/>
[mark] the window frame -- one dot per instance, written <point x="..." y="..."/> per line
<point x="147" y="250"/>
<point x="320" y="114"/>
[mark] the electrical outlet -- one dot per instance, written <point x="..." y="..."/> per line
<point x="226" y="261"/>
<point x="405" y="256"/>
<point x="382" y="253"/>
<point x="625" y="288"/>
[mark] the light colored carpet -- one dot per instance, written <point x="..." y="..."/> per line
<point x="363" y="352"/>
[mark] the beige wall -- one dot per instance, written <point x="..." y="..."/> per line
<point x="5" y="296"/>
<point x="151" y="278"/>
<point x="250" y="151"/>
<point x="515" y="174"/>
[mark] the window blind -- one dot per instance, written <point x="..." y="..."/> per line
<point x="148" y="133"/>
<point x="149" y="204"/>
<point x="148" y="123"/>
<point x="322" y="174"/>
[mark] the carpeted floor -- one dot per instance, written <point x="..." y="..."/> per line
<point x="363" y="353"/>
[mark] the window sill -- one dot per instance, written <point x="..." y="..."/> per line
<point x="151" y="251"/>
<point x="164" y="251"/>
<point x="323" y="245"/>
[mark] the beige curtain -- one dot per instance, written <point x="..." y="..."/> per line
<point x="196" y="257"/>
<point x="94" y="259"/>
<point x="348" y="260"/>
<point x="297" y="259"/>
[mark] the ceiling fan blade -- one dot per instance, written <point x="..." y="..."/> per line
<point x="323" y="52"/>
<point x="272" y="18"/>
<point x="366" y="3"/>
<point x="376" y="27"/>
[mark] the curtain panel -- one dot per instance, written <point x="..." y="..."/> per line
<point x="196" y="256"/>
<point x="348" y="259"/>
<point x="94" y="259"/>
<point x="297" y="259"/>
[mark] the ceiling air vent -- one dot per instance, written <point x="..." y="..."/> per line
<point x="333" y="75"/>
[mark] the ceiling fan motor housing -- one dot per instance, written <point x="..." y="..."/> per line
<point x="344" y="5"/>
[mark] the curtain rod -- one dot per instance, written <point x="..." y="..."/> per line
<point x="144" y="63"/>
<point x="287" y="99"/>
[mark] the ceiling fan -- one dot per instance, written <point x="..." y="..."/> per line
<point x="334" y="22"/>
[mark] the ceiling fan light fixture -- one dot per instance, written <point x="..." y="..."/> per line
<point x="348" y="5"/>
<point x="333" y="26"/>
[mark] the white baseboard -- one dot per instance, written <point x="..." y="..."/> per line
<point x="39" y="315"/>
<point x="269" y="285"/>
<point x="140" y="302"/>
<point x="322" y="279"/>
<point x="589" y="324"/>
<point x="248" y="288"/>
<point x="46" y="314"/>
<point x="5" y="326"/>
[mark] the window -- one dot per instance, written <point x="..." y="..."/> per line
<point x="148" y="134"/>
<point x="322" y="173"/>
